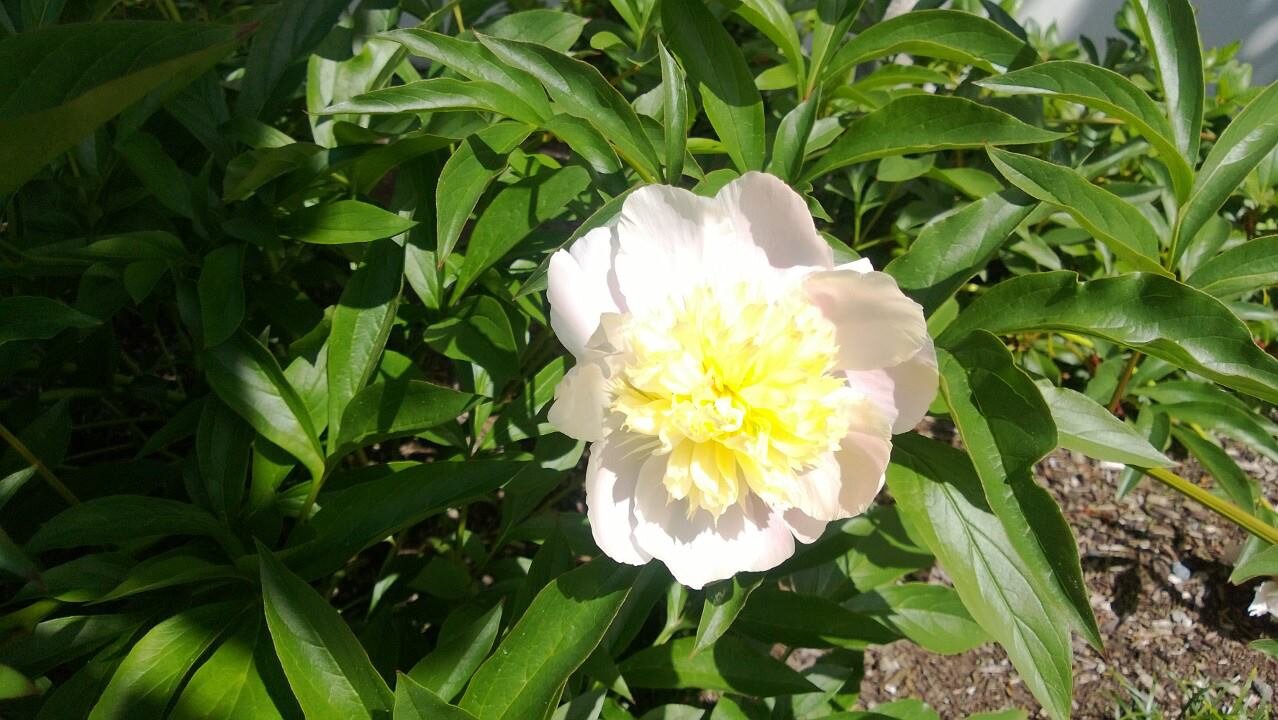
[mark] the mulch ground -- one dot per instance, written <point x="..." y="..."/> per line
<point x="1157" y="567"/>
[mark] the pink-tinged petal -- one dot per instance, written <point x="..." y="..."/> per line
<point x="876" y="325"/>
<point x="672" y="241"/>
<point x="581" y="286"/>
<point x="699" y="550"/>
<point x="775" y="217"/>
<point x="611" y="475"/>
<point x="904" y="391"/>
<point x="806" y="529"/>
<point x="581" y="403"/>
<point x="846" y="481"/>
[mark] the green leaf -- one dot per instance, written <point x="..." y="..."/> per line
<point x="558" y="632"/>
<point x="941" y="496"/>
<point x="1268" y="646"/>
<point x="1242" y="425"/>
<point x="1262" y="564"/>
<point x="414" y="702"/>
<point x="731" y="665"/>
<point x="771" y="18"/>
<point x="925" y="123"/>
<point x="359" y="516"/>
<point x="159" y="174"/>
<point x="953" y="35"/>
<point x="724" y="601"/>
<point x="154" y="668"/>
<point x="246" y="376"/>
<point x="241" y="680"/>
<point x="1240" y="270"/>
<point x="467" y="636"/>
<point x="832" y="21"/>
<point x="277" y="59"/>
<point x="179" y="567"/>
<point x="1107" y="91"/>
<point x="54" y="642"/>
<point x="436" y="95"/>
<point x="221" y="289"/>
<point x="325" y="664"/>
<point x="790" y="144"/>
<point x="674" y="95"/>
<point x="1229" y="478"/>
<point x="1171" y="36"/>
<point x="34" y="317"/>
<point x="89" y="73"/>
<point x="15" y="685"/>
<point x="716" y="65"/>
<point x="1251" y="136"/>
<point x="396" y="409"/>
<point x="222" y="444"/>
<point x="361" y="324"/>
<point x="579" y="90"/>
<point x="556" y="29"/>
<point x="931" y="615"/>
<point x="479" y="331"/>
<point x="117" y="519"/>
<point x="950" y="250"/>
<point x="1008" y="428"/>
<point x="805" y="620"/>
<point x="513" y="213"/>
<point x="1084" y="426"/>
<point x="468" y="172"/>
<point x="343" y="221"/>
<point x="1106" y="216"/>
<point x="1150" y="313"/>
<point x="475" y="62"/>
<point x="586" y="141"/>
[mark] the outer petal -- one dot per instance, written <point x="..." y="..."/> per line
<point x="581" y="403"/>
<point x="581" y="286"/>
<point x="775" y="217"/>
<point x="672" y="240"/>
<point x="806" y="528"/>
<point x="845" y="483"/>
<point x="699" y="550"/>
<point x="611" y="475"/>
<point x="876" y="325"/>
<point x="904" y="391"/>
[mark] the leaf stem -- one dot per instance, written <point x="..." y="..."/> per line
<point x="1220" y="506"/>
<point x="1120" y="390"/>
<point x="35" y="462"/>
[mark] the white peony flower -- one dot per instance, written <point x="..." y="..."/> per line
<point x="739" y="390"/>
<point x="1266" y="600"/>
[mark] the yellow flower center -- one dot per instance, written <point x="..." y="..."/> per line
<point x="738" y="389"/>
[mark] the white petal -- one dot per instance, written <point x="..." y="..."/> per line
<point x="581" y="286"/>
<point x="671" y="240"/>
<point x="876" y="325"/>
<point x="775" y="217"/>
<point x="847" y="480"/>
<point x="806" y="529"/>
<point x="904" y="391"/>
<point x="699" y="550"/>
<point x="861" y="265"/>
<point x="611" y="474"/>
<point x="581" y="403"/>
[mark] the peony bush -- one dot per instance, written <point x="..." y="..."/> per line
<point x="587" y="359"/>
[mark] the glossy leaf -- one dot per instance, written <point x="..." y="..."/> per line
<point x="88" y="74"/>
<point x="561" y="628"/>
<point x="717" y="67"/>
<point x="343" y="221"/>
<point x="241" y="680"/>
<point x="324" y="662"/>
<point x="1251" y="136"/>
<point x="1262" y="564"/>
<point x="468" y="172"/>
<point x="414" y="702"/>
<point x="465" y="639"/>
<point x="941" y="496"/>
<point x="1084" y="426"/>
<point x="771" y="18"/>
<point x="1150" y="313"/>
<point x="925" y="123"/>
<point x="674" y="96"/>
<point x="1239" y="270"/>
<point x="931" y="615"/>
<point x="221" y="288"/>
<point x="32" y="317"/>
<point x="116" y="519"/>
<point x="1226" y="474"/>
<point x="437" y="95"/>
<point x="1171" y="35"/>
<point x="1106" y="216"/>
<point x="246" y="376"/>
<point x="361" y="323"/>
<point x="807" y="620"/>
<point x="277" y="58"/>
<point x="953" y="35"/>
<point x="1105" y="90"/>
<point x="950" y="250"/>
<point x="790" y="144"/>
<point x="724" y="601"/>
<point x="397" y="409"/>
<point x="730" y="665"/>
<point x="1008" y="428"/>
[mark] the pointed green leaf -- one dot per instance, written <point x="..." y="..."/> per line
<point x="732" y="665"/>
<point x="1240" y="270"/>
<point x="466" y="638"/>
<point x="397" y="409"/>
<point x="477" y="161"/>
<point x="1084" y="426"/>
<point x="344" y="221"/>
<point x="674" y="95"/>
<point x="931" y="615"/>
<point x="237" y="680"/>
<point x="438" y="95"/>
<point x="1171" y="36"/>
<point x="33" y="317"/>
<point x="118" y="519"/>
<point x="414" y="702"/>
<point x="724" y="601"/>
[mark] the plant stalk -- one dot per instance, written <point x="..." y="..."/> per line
<point x="35" y="462"/>
<point x="1220" y="506"/>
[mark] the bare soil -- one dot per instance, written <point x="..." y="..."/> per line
<point x="1157" y="567"/>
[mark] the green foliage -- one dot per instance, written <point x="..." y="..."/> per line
<point x="275" y="355"/>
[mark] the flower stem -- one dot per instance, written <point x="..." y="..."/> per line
<point x="35" y="462"/>
<point x="1120" y="391"/>
<point x="1222" y="507"/>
